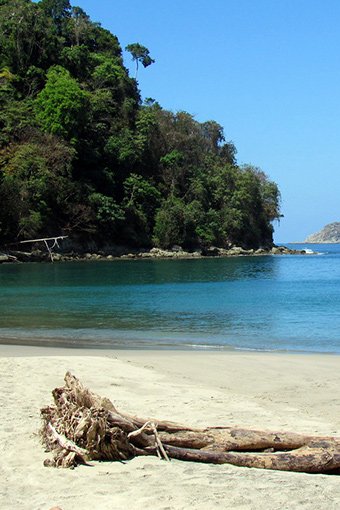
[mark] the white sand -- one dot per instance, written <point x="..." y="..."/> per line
<point x="274" y="391"/>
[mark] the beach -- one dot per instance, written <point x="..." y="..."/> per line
<point x="271" y="391"/>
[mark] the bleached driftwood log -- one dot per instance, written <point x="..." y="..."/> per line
<point x="82" y="426"/>
<point x="44" y="240"/>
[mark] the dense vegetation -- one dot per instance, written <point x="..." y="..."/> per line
<point x="81" y="155"/>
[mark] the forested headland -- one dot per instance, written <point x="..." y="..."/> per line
<point x="81" y="154"/>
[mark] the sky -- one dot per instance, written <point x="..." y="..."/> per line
<point x="268" y="71"/>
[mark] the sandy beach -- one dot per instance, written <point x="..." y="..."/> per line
<point x="287" y="392"/>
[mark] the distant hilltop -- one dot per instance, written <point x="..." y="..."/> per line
<point x="329" y="234"/>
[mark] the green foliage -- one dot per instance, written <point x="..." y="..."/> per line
<point x="170" y="224"/>
<point x="80" y="154"/>
<point x="26" y="37"/>
<point x="121" y="147"/>
<point x="107" y="74"/>
<point x="30" y="224"/>
<point x="175" y="224"/>
<point x="62" y="105"/>
<point x="173" y="170"/>
<point x="58" y="10"/>
<point x="140" y="54"/>
<point x="108" y="212"/>
<point x="78" y="60"/>
<point x="38" y="175"/>
<point x="15" y="113"/>
<point x="210" y="229"/>
<point x="140" y="193"/>
<point x="141" y="199"/>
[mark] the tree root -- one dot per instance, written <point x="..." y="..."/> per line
<point x="82" y="426"/>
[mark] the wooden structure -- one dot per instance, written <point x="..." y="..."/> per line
<point x="46" y="241"/>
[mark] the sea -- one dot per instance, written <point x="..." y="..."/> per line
<point x="285" y="303"/>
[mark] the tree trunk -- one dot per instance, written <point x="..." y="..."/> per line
<point x="83" y="426"/>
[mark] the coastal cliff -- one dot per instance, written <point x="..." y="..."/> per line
<point x="329" y="234"/>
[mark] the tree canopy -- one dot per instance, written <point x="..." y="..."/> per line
<point x="140" y="54"/>
<point x="81" y="154"/>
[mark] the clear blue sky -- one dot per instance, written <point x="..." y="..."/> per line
<point x="267" y="70"/>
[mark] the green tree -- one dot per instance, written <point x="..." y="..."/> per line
<point x="15" y="112"/>
<point x="79" y="61"/>
<point x="140" y="54"/>
<point x="108" y="214"/>
<point x="62" y="105"/>
<point x="141" y="199"/>
<point x="173" y="170"/>
<point x="175" y="224"/>
<point x="80" y="26"/>
<point x="59" y="11"/>
<point x="35" y="182"/>
<point x="26" y="37"/>
<point x="213" y="134"/>
<point x="170" y="224"/>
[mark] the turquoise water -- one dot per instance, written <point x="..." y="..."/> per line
<point x="253" y="303"/>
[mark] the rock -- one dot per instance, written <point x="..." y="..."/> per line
<point x="176" y="248"/>
<point x="183" y="255"/>
<point x="223" y="252"/>
<point x="211" y="251"/>
<point x="283" y="250"/>
<point x="158" y="252"/>
<point x="237" y="250"/>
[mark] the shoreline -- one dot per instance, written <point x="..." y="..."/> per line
<point x="31" y="347"/>
<point x="265" y="391"/>
<point x="15" y="256"/>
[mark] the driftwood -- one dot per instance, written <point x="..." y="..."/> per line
<point x="82" y="426"/>
<point x="7" y="258"/>
<point x="44" y="240"/>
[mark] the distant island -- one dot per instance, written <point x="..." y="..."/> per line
<point x="329" y="234"/>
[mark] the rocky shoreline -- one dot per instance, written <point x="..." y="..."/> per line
<point x="120" y="253"/>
